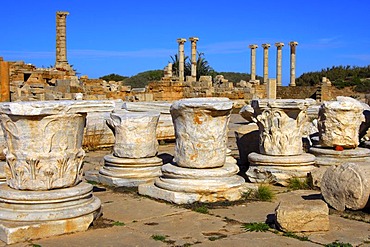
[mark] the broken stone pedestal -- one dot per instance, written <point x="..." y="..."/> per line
<point x="44" y="194"/>
<point x="201" y="171"/>
<point x="281" y="156"/>
<point x="338" y="123"/>
<point x="134" y="160"/>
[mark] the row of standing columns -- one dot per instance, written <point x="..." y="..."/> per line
<point x="181" y="57"/>
<point x="279" y="47"/>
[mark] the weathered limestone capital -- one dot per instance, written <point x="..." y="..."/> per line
<point x="293" y="43"/>
<point x="129" y="129"/>
<point x="44" y="143"/>
<point x="279" y="45"/>
<point x="181" y="40"/>
<point x="62" y="13"/>
<point x="193" y="39"/>
<point x="339" y="122"/>
<point x="280" y="124"/>
<point x="266" y="46"/>
<point x="253" y="46"/>
<point x="201" y="131"/>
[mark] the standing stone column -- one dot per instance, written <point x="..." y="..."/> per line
<point x="194" y="57"/>
<point x="253" y="61"/>
<point x="279" y="47"/>
<point x="61" y="41"/>
<point x="265" y="62"/>
<point x="169" y="70"/>
<point x="4" y="81"/>
<point x="293" y="45"/>
<point x="181" y="56"/>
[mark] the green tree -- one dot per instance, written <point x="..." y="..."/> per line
<point x="113" y="77"/>
<point x="175" y="65"/>
<point x="203" y="67"/>
<point x="142" y="79"/>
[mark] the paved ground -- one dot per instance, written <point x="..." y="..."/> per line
<point x="132" y="220"/>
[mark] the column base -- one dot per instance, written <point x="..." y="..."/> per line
<point x="125" y="172"/>
<point x="27" y="215"/>
<point x="14" y="232"/>
<point x="151" y="190"/>
<point x="182" y="185"/>
<point x="279" y="169"/>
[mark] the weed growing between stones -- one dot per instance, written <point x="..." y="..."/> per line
<point x="256" y="227"/>
<point x="299" y="184"/>
<point x="338" y="244"/>
<point x="264" y="193"/>
<point x="201" y="209"/>
<point x="118" y="223"/>
<point x="293" y="235"/>
<point x="157" y="237"/>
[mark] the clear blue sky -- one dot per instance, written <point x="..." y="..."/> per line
<point x="128" y="37"/>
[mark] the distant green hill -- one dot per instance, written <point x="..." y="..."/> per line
<point x="340" y="76"/>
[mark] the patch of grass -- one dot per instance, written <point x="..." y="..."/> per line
<point x="118" y="223"/>
<point x="264" y="193"/>
<point x="157" y="237"/>
<point x="91" y="182"/>
<point x="201" y="209"/>
<point x="298" y="184"/>
<point x="34" y="245"/>
<point x="256" y="227"/>
<point x="338" y="244"/>
<point x="293" y="235"/>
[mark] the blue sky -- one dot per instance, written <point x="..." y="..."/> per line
<point x="128" y="37"/>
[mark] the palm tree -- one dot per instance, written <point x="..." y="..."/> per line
<point x="175" y="65"/>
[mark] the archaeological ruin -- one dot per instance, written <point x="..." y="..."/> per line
<point x="184" y="140"/>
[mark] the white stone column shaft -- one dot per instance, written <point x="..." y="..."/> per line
<point x="253" y="61"/>
<point x="293" y="46"/>
<point x="265" y="62"/>
<point x="194" y="57"/>
<point x="279" y="47"/>
<point x="181" y="57"/>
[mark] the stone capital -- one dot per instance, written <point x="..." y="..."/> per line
<point x="181" y="40"/>
<point x="253" y="46"/>
<point x="293" y="43"/>
<point x="266" y="46"/>
<point x="62" y="13"/>
<point x="193" y="39"/>
<point x="279" y="44"/>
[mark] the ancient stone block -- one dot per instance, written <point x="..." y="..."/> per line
<point x="302" y="216"/>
